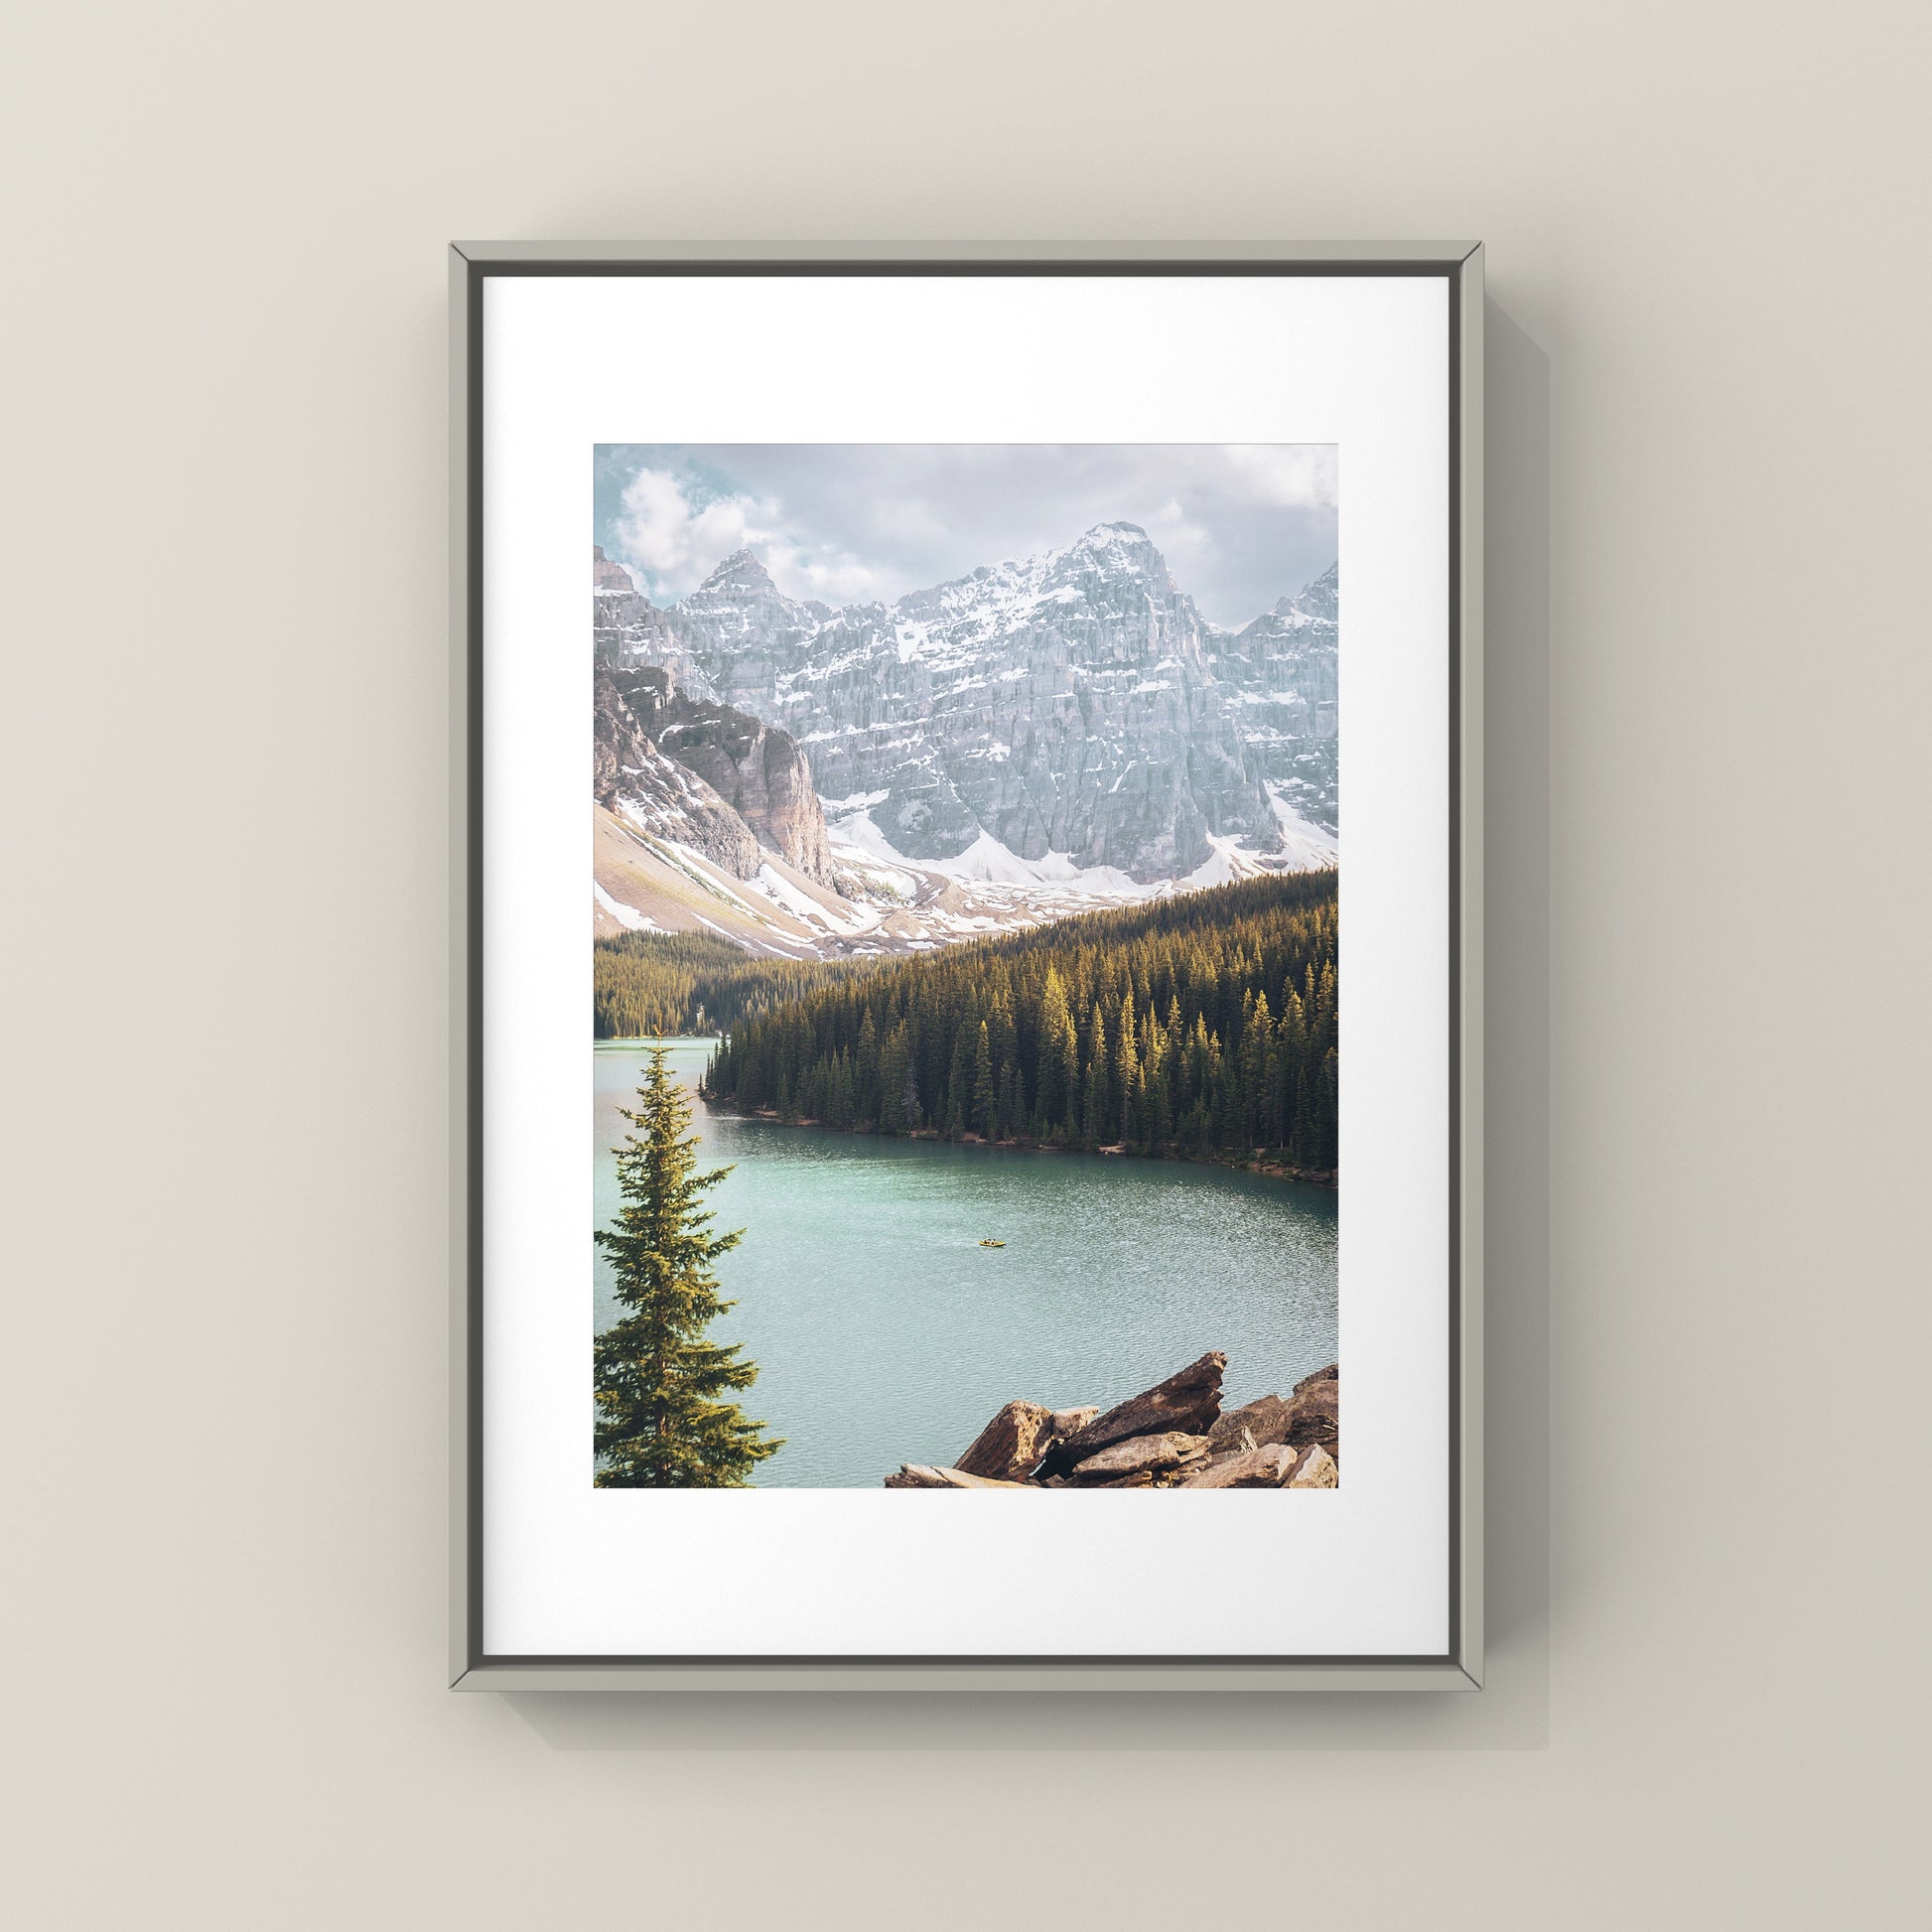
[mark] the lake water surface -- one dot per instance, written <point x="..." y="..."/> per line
<point x="885" y="1333"/>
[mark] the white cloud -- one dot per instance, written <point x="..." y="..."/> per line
<point x="1292" y="476"/>
<point x="676" y="542"/>
<point x="1239" y="525"/>
<point x="843" y="580"/>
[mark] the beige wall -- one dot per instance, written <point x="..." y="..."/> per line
<point x="225" y="597"/>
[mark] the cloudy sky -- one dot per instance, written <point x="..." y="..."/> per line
<point x="1240" y="524"/>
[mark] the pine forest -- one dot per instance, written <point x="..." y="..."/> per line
<point x="662" y="984"/>
<point x="1201" y="1025"/>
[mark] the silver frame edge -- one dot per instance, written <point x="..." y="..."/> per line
<point x="519" y="254"/>
<point x="1469" y="1015"/>
<point x="461" y="698"/>
<point x="1206" y="1675"/>
<point x="1462" y="1667"/>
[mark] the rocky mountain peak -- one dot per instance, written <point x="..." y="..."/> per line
<point x="740" y="575"/>
<point x="1109" y="551"/>
<point x="1319" y="600"/>
<point x="1115" y="547"/>
<point x="1114" y="538"/>
<point x="1074" y="704"/>
<point x="608" y="575"/>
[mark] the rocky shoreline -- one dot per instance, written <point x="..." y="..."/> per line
<point x="1173" y="1436"/>
<point x="1276" y="1170"/>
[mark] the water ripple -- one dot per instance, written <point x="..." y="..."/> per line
<point x="885" y="1333"/>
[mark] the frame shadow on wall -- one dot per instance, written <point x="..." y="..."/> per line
<point x="1511" y="1713"/>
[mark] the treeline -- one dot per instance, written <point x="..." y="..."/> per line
<point x="657" y="985"/>
<point x="1202" y="1024"/>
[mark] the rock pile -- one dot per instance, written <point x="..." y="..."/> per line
<point x="1173" y="1436"/>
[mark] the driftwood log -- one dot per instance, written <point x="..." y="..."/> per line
<point x="1314" y="1419"/>
<point x="922" y="1476"/>
<point x="1147" y="1456"/>
<point x="1010" y="1444"/>
<point x="1265" y="1420"/>
<point x="1267" y="1468"/>
<point x="1188" y="1401"/>
<point x="1172" y="1435"/>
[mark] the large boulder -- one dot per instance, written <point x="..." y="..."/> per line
<point x="1188" y="1401"/>
<point x="922" y="1476"/>
<point x="1264" y="1418"/>
<point x="1267" y="1468"/>
<point x="1010" y="1444"/>
<point x="1314" y="1468"/>
<point x="1148" y="1455"/>
<point x="1314" y="1419"/>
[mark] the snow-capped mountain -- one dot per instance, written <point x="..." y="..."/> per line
<point x="1072" y="715"/>
<point x="1282" y="668"/>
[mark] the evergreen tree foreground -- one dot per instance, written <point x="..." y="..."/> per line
<point x="662" y="1418"/>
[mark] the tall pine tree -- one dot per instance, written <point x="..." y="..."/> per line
<point x="986" y="1100"/>
<point x="660" y="1422"/>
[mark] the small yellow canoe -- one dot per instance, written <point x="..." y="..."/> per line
<point x="992" y="1244"/>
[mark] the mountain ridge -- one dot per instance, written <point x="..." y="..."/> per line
<point x="1075" y="705"/>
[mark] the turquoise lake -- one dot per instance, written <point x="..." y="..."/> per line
<point x="885" y="1333"/>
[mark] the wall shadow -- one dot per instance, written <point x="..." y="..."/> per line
<point x="1512" y="1712"/>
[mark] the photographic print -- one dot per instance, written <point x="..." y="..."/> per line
<point x="966" y="969"/>
<point x="972" y="1102"/>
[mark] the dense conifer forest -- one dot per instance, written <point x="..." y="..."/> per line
<point x="1200" y="1026"/>
<point x="659" y="985"/>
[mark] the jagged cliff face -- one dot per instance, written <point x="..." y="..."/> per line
<point x="629" y="631"/>
<point x="1283" y="671"/>
<point x="761" y="773"/>
<point x="659" y="795"/>
<point x="1077" y="703"/>
<point x="609" y="576"/>
<point x="757" y="770"/>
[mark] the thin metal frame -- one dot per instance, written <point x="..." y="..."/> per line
<point x="1460" y="1667"/>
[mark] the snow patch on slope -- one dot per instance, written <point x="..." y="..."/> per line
<point x="986" y="862"/>
<point x="849" y="918"/>
<point x="1306" y="847"/>
<point x="626" y="917"/>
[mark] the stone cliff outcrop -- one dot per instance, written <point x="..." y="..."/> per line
<point x="752" y="772"/>
<point x="633" y="777"/>
<point x="1284" y="668"/>
<point x="1074" y="704"/>
<point x="1173" y="1436"/>
<point x="627" y="630"/>
<point x="609" y="576"/>
<point x="760" y="771"/>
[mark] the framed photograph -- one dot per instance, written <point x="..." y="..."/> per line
<point x="967" y="927"/>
